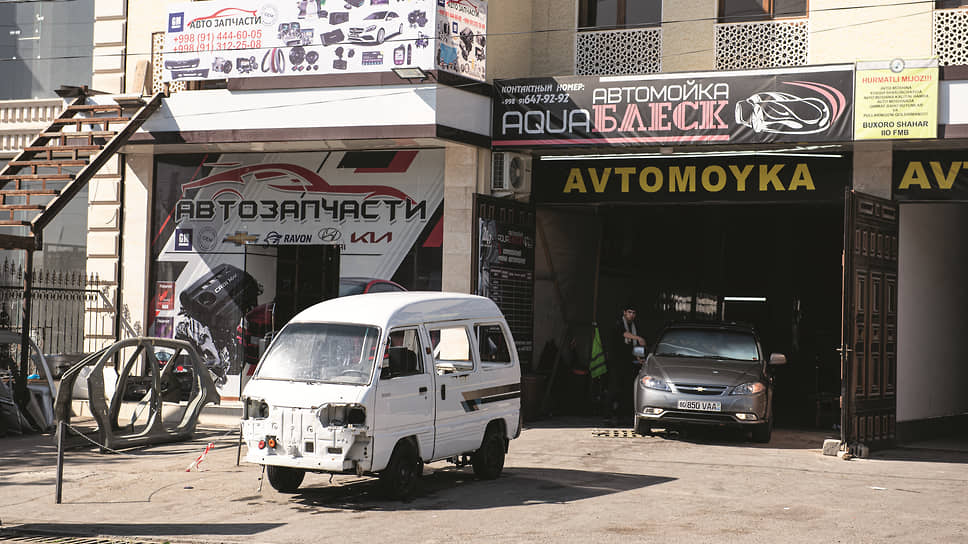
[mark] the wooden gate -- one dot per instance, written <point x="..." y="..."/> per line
<point x="869" y="345"/>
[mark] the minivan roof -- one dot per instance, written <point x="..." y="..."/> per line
<point x="398" y="309"/>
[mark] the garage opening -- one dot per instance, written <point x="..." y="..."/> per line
<point x="776" y="265"/>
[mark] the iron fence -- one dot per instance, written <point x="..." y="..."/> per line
<point x="70" y="311"/>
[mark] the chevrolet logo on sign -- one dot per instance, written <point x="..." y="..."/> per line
<point x="241" y="238"/>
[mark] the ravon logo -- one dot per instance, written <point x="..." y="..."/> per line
<point x="273" y="238"/>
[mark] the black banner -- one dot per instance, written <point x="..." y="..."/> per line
<point x="930" y="175"/>
<point x="504" y="243"/>
<point x="695" y="179"/>
<point x="798" y="105"/>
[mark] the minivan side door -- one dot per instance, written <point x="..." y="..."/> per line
<point x="458" y="429"/>
<point x="404" y="397"/>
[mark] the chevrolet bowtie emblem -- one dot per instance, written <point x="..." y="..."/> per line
<point x="241" y="238"/>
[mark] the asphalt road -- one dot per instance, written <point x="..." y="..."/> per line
<point x="564" y="481"/>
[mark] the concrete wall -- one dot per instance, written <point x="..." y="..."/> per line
<point x="872" y="168"/>
<point x="850" y="30"/>
<point x="461" y="168"/>
<point x="932" y="297"/>
<point x="688" y="35"/>
<point x="553" y="26"/>
<point x="508" y="38"/>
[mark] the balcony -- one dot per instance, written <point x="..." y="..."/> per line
<point x="619" y="52"/>
<point x="21" y="120"/>
<point x="767" y="44"/>
<point x="950" y="29"/>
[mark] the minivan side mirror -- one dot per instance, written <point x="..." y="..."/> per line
<point x="778" y="359"/>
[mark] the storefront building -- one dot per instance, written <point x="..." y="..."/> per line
<point x="681" y="180"/>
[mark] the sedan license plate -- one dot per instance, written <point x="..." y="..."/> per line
<point x="701" y="405"/>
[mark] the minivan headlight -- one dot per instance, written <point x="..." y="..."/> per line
<point x="651" y="382"/>
<point x="341" y="415"/>
<point x="254" y="408"/>
<point x="749" y="388"/>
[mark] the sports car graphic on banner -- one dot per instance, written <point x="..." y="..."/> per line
<point x="221" y="223"/>
<point x="812" y="104"/>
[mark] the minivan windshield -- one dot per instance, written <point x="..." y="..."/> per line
<point x="321" y="352"/>
<point x="708" y="343"/>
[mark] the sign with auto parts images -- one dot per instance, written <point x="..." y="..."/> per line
<point x="222" y="39"/>
<point x="812" y="104"/>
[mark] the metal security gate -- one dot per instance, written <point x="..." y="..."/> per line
<point x="869" y="346"/>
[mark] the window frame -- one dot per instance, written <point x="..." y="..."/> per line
<point x="507" y="345"/>
<point x="939" y="4"/>
<point x="421" y="359"/>
<point x="451" y="366"/>
<point x="620" y="8"/>
<point x="770" y="15"/>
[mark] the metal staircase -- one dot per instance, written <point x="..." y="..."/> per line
<point x="37" y="183"/>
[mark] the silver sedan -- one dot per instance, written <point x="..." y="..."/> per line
<point x="707" y="373"/>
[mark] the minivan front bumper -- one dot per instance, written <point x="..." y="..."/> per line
<point x="294" y="438"/>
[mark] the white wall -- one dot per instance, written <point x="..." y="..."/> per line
<point x="932" y="368"/>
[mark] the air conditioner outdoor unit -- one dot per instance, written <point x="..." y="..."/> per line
<point x="510" y="172"/>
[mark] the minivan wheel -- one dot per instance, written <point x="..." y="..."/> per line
<point x="763" y="432"/>
<point x="489" y="459"/>
<point x="400" y="477"/>
<point x="285" y="479"/>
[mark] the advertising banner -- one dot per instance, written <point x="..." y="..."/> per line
<point x="752" y="178"/>
<point x="219" y="220"/>
<point x="222" y="39"/>
<point x="896" y="99"/>
<point x="799" y="105"/>
<point x="930" y="176"/>
<point x="505" y="264"/>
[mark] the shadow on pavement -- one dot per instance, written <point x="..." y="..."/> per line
<point x="516" y="487"/>
<point x="143" y="529"/>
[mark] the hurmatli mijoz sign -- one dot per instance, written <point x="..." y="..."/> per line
<point x="758" y="106"/>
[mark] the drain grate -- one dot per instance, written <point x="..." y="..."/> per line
<point x="53" y="539"/>
<point x="616" y="433"/>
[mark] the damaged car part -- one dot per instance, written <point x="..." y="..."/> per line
<point x="112" y="434"/>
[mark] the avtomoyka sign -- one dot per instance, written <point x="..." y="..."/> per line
<point x="698" y="179"/>
<point x="759" y="106"/>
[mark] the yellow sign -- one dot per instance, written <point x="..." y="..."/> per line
<point x="896" y="100"/>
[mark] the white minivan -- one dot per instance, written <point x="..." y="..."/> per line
<point x="382" y="383"/>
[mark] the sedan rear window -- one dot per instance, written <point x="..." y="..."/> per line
<point x="708" y="343"/>
<point x="322" y="352"/>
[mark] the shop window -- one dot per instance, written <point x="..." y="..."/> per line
<point x="611" y="14"/>
<point x="950" y="4"/>
<point x="736" y="11"/>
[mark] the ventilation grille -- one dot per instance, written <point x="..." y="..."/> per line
<point x="619" y="52"/>
<point x="950" y="29"/>
<point x="771" y="44"/>
<point x="157" y="62"/>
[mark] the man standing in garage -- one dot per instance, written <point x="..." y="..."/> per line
<point x="621" y="371"/>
